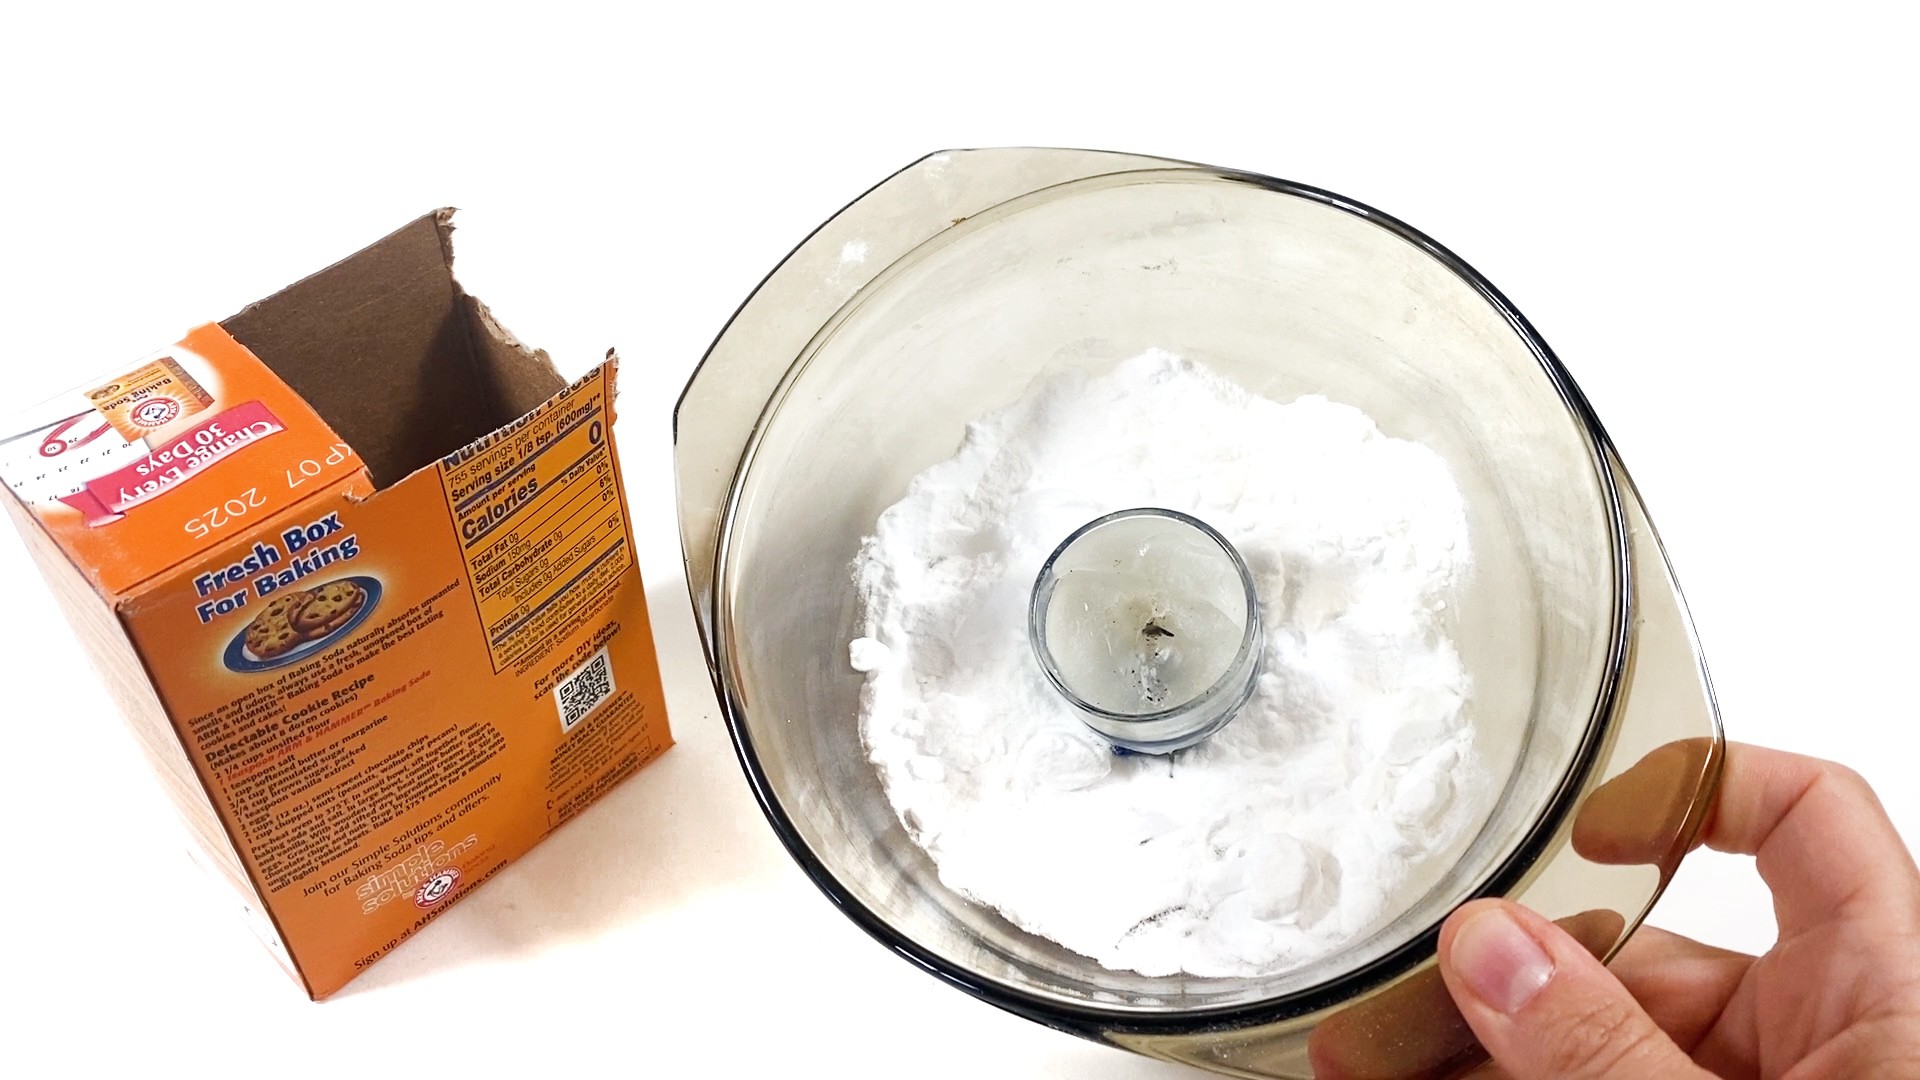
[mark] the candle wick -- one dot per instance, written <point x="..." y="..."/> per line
<point x="1154" y="629"/>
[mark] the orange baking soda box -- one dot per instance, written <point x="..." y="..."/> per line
<point x="359" y="567"/>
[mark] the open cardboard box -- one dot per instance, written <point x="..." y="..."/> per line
<point x="358" y="568"/>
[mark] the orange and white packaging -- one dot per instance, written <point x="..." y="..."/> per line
<point x="359" y="567"/>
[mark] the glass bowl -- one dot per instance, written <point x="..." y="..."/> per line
<point x="943" y="294"/>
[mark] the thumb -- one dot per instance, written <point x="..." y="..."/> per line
<point x="1543" y="1006"/>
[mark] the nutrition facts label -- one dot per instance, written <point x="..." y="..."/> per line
<point x="540" y="518"/>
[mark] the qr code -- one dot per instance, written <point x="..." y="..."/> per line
<point x="590" y="684"/>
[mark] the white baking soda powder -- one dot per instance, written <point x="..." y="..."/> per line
<point x="1292" y="832"/>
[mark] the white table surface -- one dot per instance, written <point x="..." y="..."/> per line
<point x="1709" y="218"/>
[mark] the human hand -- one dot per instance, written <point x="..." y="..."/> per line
<point x="1838" y="995"/>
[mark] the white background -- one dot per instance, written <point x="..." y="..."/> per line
<point x="1705" y="209"/>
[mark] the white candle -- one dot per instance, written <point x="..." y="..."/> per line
<point x="1148" y="622"/>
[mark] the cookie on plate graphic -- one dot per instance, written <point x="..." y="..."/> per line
<point x="290" y="625"/>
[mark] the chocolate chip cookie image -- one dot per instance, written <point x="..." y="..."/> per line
<point x="296" y="624"/>
<point x="332" y="607"/>
<point x="271" y="636"/>
<point x="283" y="605"/>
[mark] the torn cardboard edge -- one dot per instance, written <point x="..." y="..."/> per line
<point x="379" y="342"/>
<point x="393" y="355"/>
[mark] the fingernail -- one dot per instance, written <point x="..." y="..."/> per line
<point x="1502" y="963"/>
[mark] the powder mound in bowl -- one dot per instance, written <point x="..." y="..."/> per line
<point x="1297" y="829"/>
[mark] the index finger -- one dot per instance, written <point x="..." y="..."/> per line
<point x="1820" y="838"/>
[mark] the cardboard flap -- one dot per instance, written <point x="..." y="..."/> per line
<point x="389" y="350"/>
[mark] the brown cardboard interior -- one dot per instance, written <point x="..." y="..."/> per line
<point x="393" y="355"/>
<point x="522" y="379"/>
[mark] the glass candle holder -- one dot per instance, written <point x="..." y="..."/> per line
<point x="1148" y="622"/>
